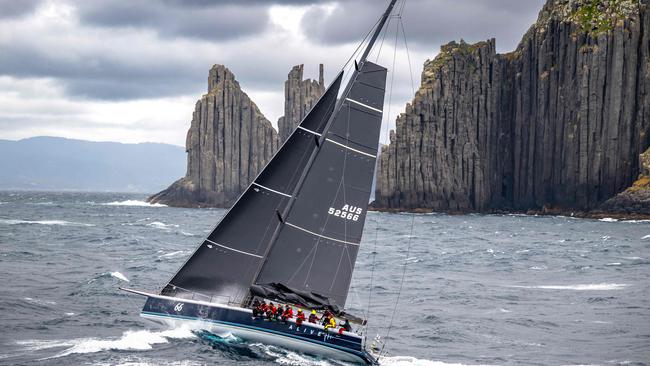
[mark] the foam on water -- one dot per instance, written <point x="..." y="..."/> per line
<point x="134" y="203"/>
<point x="608" y="219"/>
<point x="161" y="225"/>
<point x="138" y="340"/>
<point x="119" y="276"/>
<point x="646" y="237"/>
<point x="43" y="222"/>
<point x="585" y="287"/>
<point x="39" y="301"/>
<point x="173" y="254"/>
<point x="412" y="361"/>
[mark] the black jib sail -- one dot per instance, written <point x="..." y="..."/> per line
<point x="226" y="263"/>
<point x="298" y="226"/>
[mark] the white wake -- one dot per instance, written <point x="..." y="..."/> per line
<point x="134" y="340"/>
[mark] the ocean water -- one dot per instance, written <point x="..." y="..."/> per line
<point x="478" y="289"/>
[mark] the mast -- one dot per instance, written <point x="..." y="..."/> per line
<point x="380" y="26"/>
<point x="321" y="139"/>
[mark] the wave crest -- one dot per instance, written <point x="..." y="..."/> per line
<point x="581" y="287"/>
<point x="43" y="222"/>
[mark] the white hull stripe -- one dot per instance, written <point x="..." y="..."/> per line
<point x="232" y="249"/>
<point x="320" y="236"/>
<point x="349" y="148"/>
<point x="364" y="105"/>
<point x="310" y="131"/>
<point x="272" y="190"/>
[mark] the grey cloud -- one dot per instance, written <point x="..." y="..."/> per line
<point x="17" y="8"/>
<point x="194" y="19"/>
<point x="98" y="76"/>
<point x="428" y="23"/>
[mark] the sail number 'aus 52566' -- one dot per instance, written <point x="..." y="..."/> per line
<point x="346" y="212"/>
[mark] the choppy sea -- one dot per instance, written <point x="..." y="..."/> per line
<point x="478" y="289"/>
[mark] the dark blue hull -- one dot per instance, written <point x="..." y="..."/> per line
<point x="307" y="338"/>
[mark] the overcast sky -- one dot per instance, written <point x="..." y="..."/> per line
<point x="131" y="71"/>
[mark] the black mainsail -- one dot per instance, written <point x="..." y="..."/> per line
<point x="298" y="226"/>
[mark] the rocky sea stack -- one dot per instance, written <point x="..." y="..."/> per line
<point x="558" y="124"/>
<point x="229" y="140"/>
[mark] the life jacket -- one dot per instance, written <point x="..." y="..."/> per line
<point x="341" y="330"/>
<point x="300" y="315"/>
<point x="313" y="318"/>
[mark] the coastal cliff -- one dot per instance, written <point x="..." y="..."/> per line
<point x="557" y="124"/>
<point x="229" y="140"/>
<point x="299" y="97"/>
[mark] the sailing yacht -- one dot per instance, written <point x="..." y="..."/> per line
<point x="293" y="235"/>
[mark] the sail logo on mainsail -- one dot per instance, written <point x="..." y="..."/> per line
<point x="347" y="212"/>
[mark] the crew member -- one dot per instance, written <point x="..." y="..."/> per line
<point x="325" y="319"/>
<point x="300" y="317"/>
<point x="288" y="313"/>
<point x="278" y="313"/>
<point x="330" y="322"/>
<point x="256" y="305"/>
<point x="270" y="311"/>
<point x="347" y="326"/>
<point x="313" y="318"/>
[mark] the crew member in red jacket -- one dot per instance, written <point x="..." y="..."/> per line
<point x="288" y="313"/>
<point x="300" y="317"/>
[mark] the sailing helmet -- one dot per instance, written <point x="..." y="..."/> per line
<point x="299" y="310"/>
<point x="313" y="312"/>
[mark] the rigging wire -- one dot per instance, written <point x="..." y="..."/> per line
<point x="410" y="238"/>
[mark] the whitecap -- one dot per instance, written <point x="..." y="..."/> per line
<point x="412" y="361"/>
<point x="119" y="276"/>
<point x="613" y="264"/>
<point x="646" y="237"/>
<point x="43" y="222"/>
<point x="134" y="203"/>
<point x="161" y="225"/>
<point x="582" y="287"/>
<point x="505" y="310"/>
<point x="138" y="340"/>
<point x="186" y="233"/>
<point x="39" y="301"/>
<point x="608" y="219"/>
<point x="173" y="254"/>
<point x="37" y="345"/>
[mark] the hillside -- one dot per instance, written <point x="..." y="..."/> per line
<point x="54" y="163"/>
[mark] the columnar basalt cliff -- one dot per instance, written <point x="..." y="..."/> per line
<point x="229" y="140"/>
<point x="557" y="124"/>
<point x="299" y="97"/>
